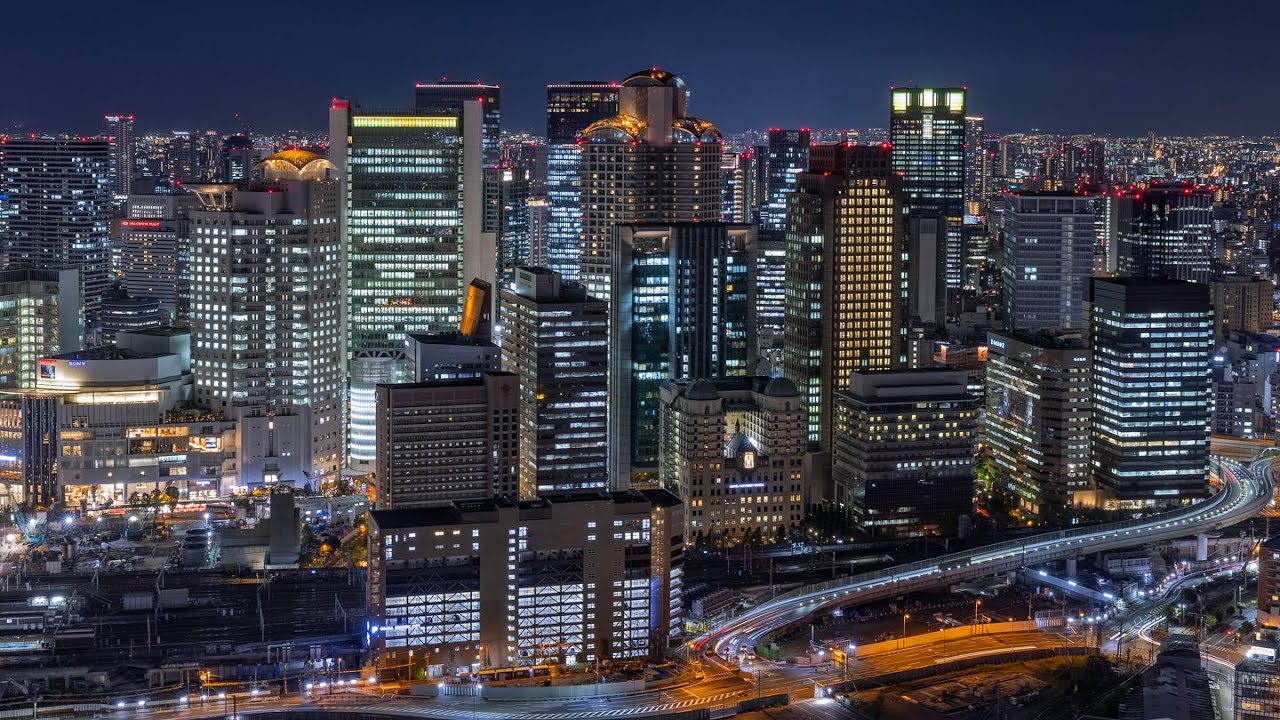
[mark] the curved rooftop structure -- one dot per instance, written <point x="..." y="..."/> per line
<point x="652" y="76"/>
<point x="297" y="164"/>
<point x="702" y="390"/>
<point x="701" y="130"/>
<point x="780" y="387"/>
<point x="610" y="128"/>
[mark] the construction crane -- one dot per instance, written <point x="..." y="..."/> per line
<point x="31" y="529"/>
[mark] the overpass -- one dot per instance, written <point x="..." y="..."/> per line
<point x="1244" y="492"/>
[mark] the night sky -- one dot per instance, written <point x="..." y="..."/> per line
<point x="1117" y="67"/>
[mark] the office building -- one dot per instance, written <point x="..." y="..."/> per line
<point x="977" y="167"/>
<point x="507" y="217"/>
<point x="771" y="303"/>
<point x="740" y="177"/>
<point x="844" y="276"/>
<point x="155" y="259"/>
<point x="1036" y="426"/>
<point x="449" y="97"/>
<point x="1048" y="252"/>
<point x="927" y="131"/>
<point x="1256" y="690"/>
<point x="904" y="448"/>
<point x="684" y="308"/>
<point x="409" y="255"/>
<point x="1269" y="583"/>
<point x="447" y="439"/>
<point x="266" y="320"/>
<point x="786" y="155"/>
<point x="450" y="356"/>
<point x="733" y="450"/>
<point x="556" y="341"/>
<point x="59" y="203"/>
<point x="118" y="130"/>
<point x="236" y="159"/>
<point x="129" y="314"/>
<point x="566" y="579"/>
<point x="182" y="158"/>
<point x="650" y="163"/>
<point x="1095" y="163"/>
<point x="1169" y="234"/>
<point x="571" y="108"/>
<point x="926" y="274"/>
<point x="1241" y="304"/>
<point x="1152" y="343"/>
<point x="40" y="315"/>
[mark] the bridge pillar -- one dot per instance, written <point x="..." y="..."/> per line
<point x="1202" y="547"/>
<point x="1071" y="567"/>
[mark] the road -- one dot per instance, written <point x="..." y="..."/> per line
<point x="1243" y="493"/>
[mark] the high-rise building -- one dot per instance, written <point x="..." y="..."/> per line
<point x="926" y="274"/>
<point x="450" y="356"/>
<point x="182" y="157"/>
<point x="1269" y="583"/>
<point x="1241" y="304"/>
<point x="129" y="314"/>
<point x="733" y="449"/>
<point x="844" y="276"/>
<point x="977" y="167"/>
<point x="1152" y="343"/>
<point x="447" y="440"/>
<point x="740" y="178"/>
<point x="1169" y="235"/>
<point x="1095" y="163"/>
<point x="927" y="131"/>
<point x="786" y="155"/>
<point x="556" y="340"/>
<point x="566" y="579"/>
<point x="771" y="302"/>
<point x="650" y="163"/>
<point x="156" y="253"/>
<point x="684" y="307"/>
<point x="40" y="315"/>
<point x="409" y="252"/>
<point x="118" y="130"/>
<point x="59" y="201"/>
<point x="237" y="157"/>
<point x="904" y="448"/>
<point x="449" y="97"/>
<point x="1048" y="251"/>
<point x="507" y="217"/>
<point x="1036" y="425"/>
<point x="266" y="319"/>
<point x="1256" y="687"/>
<point x="571" y="108"/>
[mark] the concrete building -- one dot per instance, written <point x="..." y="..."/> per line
<point x="733" y="450"/>
<point x="1242" y="304"/>
<point x="40" y="311"/>
<point x="1269" y="583"/>
<point x="448" y="439"/>
<point x="266" y="276"/>
<point x="786" y="156"/>
<point x="1150" y="339"/>
<point x="845" y="304"/>
<point x="129" y="314"/>
<point x="118" y="130"/>
<point x="59" y="198"/>
<point x="450" y="356"/>
<point x="904" y="451"/>
<point x="1048" y="253"/>
<point x="565" y="579"/>
<point x="436" y="231"/>
<point x="1256" y="691"/>
<point x="650" y="163"/>
<point x="684" y="307"/>
<point x="1037" y="421"/>
<point x="556" y="340"/>
<point x="1169" y="234"/>
<point x="120" y="424"/>
<point x="155" y="257"/>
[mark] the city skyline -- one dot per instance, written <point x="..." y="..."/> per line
<point x="1016" y="84"/>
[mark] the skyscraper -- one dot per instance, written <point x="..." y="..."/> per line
<point x="1242" y="304"/>
<point x="649" y="163"/>
<point x="684" y="307"/>
<point x="266" y="318"/>
<point x="448" y="97"/>
<point x="1170" y="234"/>
<point x="1095" y="162"/>
<point x="1049" y="243"/>
<point x="977" y="167"/>
<point x="118" y="130"/>
<point x="927" y="131"/>
<point x="507" y="218"/>
<point x="156" y="251"/>
<point x="556" y="341"/>
<point x="844" y="275"/>
<point x="40" y="315"/>
<point x="413" y="221"/>
<point x="787" y="155"/>
<point x="1152" y="343"/>
<point x="59" y="197"/>
<point x="571" y="108"/>
<point x="1036" y="431"/>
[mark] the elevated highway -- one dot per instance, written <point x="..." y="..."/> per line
<point x="1244" y="491"/>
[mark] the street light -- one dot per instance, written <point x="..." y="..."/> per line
<point x="905" y="617"/>
<point x="977" y="603"/>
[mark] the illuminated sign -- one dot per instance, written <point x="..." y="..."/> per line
<point x="204" y="443"/>
<point x="77" y="363"/>
<point x="48" y="370"/>
<point x="140" y="223"/>
<point x="997" y="343"/>
<point x="403" y="121"/>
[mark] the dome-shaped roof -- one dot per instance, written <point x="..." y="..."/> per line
<point x="699" y="128"/>
<point x="652" y="76"/>
<point x="632" y="126"/>
<point x="295" y="157"/>
<point x="780" y="387"/>
<point x="702" y="390"/>
<point x="297" y="165"/>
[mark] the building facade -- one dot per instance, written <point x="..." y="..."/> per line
<point x="447" y="439"/>
<point x="40" y="310"/>
<point x="733" y="450"/>
<point x="904" y="451"/>
<point x="1048" y="252"/>
<point x="1150" y="339"/>
<point x="565" y="579"/>
<point x="1241" y="304"/>
<point x="1169" y="234"/>
<point x="786" y="156"/>
<point x="556" y="340"/>
<point x="118" y="130"/>
<point x="155" y="258"/>
<point x="571" y="108"/>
